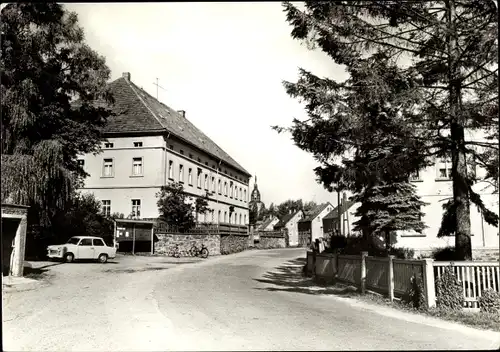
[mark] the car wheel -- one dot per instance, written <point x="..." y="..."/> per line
<point x="69" y="258"/>
<point x="103" y="258"/>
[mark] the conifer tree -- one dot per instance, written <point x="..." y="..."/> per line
<point x="447" y="52"/>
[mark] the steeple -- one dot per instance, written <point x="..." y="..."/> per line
<point x="255" y="196"/>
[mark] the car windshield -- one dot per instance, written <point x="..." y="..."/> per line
<point x="73" y="240"/>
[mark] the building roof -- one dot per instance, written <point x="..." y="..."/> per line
<point x="138" y="112"/>
<point x="267" y="222"/>
<point x="315" y="212"/>
<point x="334" y="214"/>
<point x="286" y="218"/>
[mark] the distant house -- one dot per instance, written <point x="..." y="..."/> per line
<point x="290" y="222"/>
<point x="313" y="222"/>
<point x="268" y="224"/>
<point x="331" y="220"/>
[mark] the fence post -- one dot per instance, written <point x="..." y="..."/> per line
<point x="363" y="271"/>
<point x="429" y="285"/>
<point x="390" y="278"/>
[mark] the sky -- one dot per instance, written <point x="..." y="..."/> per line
<point x="223" y="63"/>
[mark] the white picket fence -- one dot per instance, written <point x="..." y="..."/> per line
<point x="475" y="277"/>
<point x="392" y="276"/>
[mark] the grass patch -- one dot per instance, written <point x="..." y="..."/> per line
<point x="481" y="320"/>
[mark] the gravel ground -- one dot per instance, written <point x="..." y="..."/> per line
<point x="256" y="300"/>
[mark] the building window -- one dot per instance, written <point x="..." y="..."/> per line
<point x="198" y="180"/>
<point x="181" y="151"/>
<point x="190" y="176"/>
<point x="106" y="207"/>
<point x="190" y="156"/>
<point x="206" y="163"/>
<point x="171" y="147"/>
<point x="136" y="208"/>
<point x="213" y="184"/>
<point x="81" y="162"/>
<point x="108" y="145"/>
<point x="205" y="217"/>
<point x="137" y="166"/>
<point x="206" y="182"/>
<point x="240" y="219"/>
<point x="245" y="219"/>
<point x="225" y="189"/>
<point x="199" y="160"/>
<point x="225" y="216"/>
<point x="444" y="168"/>
<point x="181" y="173"/>
<point x="108" y="168"/>
<point x="171" y="169"/>
<point x="245" y="195"/>
<point x="212" y="211"/>
<point x="137" y="144"/>
<point x="218" y="217"/>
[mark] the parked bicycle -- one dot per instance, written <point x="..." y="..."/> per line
<point x="197" y="252"/>
<point x="174" y="251"/>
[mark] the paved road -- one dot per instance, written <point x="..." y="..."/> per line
<point x="255" y="300"/>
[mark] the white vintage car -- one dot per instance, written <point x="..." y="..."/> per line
<point x="82" y="247"/>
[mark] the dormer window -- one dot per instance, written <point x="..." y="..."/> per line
<point x="171" y="147"/>
<point x="181" y="151"/>
<point x="108" y="145"/>
<point x="137" y="144"/>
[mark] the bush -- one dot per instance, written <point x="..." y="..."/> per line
<point x="444" y="254"/>
<point x="402" y="253"/>
<point x="415" y="295"/>
<point x="449" y="292"/>
<point x="489" y="302"/>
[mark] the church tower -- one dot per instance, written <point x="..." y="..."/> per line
<point x="255" y="202"/>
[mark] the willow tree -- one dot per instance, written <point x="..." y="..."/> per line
<point x="448" y="50"/>
<point x="54" y="102"/>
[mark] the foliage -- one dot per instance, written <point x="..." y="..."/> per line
<point x="449" y="292"/>
<point x="444" y="254"/>
<point x="489" y="302"/>
<point x="174" y="208"/>
<point x="201" y="205"/>
<point x="420" y="74"/>
<point x="403" y="252"/>
<point x="45" y="67"/>
<point x="388" y="208"/>
<point x="416" y="293"/>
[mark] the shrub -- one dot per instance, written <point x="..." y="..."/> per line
<point x="402" y="253"/>
<point x="444" y="254"/>
<point x="415" y="295"/>
<point x="449" y="292"/>
<point x="489" y="302"/>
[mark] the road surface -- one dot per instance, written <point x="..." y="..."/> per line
<point x="256" y="300"/>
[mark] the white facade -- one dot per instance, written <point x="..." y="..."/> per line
<point x="317" y="223"/>
<point x="130" y="171"/>
<point x="293" y="228"/>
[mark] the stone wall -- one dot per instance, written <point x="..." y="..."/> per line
<point x="480" y="254"/>
<point x="268" y="240"/>
<point x="233" y="243"/>
<point x="166" y="242"/>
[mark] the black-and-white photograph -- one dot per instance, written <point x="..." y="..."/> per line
<point x="250" y="176"/>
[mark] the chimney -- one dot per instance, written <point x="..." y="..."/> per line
<point x="182" y="112"/>
<point x="126" y="75"/>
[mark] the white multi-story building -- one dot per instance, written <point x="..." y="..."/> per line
<point x="149" y="145"/>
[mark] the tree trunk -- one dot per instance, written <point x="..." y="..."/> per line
<point x="459" y="167"/>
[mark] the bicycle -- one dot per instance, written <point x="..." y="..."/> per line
<point x="174" y="252"/>
<point x="195" y="252"/>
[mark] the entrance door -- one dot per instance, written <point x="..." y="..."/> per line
<point x="9" y="228"/>
<point x="86" y="249"/>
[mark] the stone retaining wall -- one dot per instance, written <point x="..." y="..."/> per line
<point x="268" y="240"/>
<point x="185" y="241"/>
<point x="232" y="243"/>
